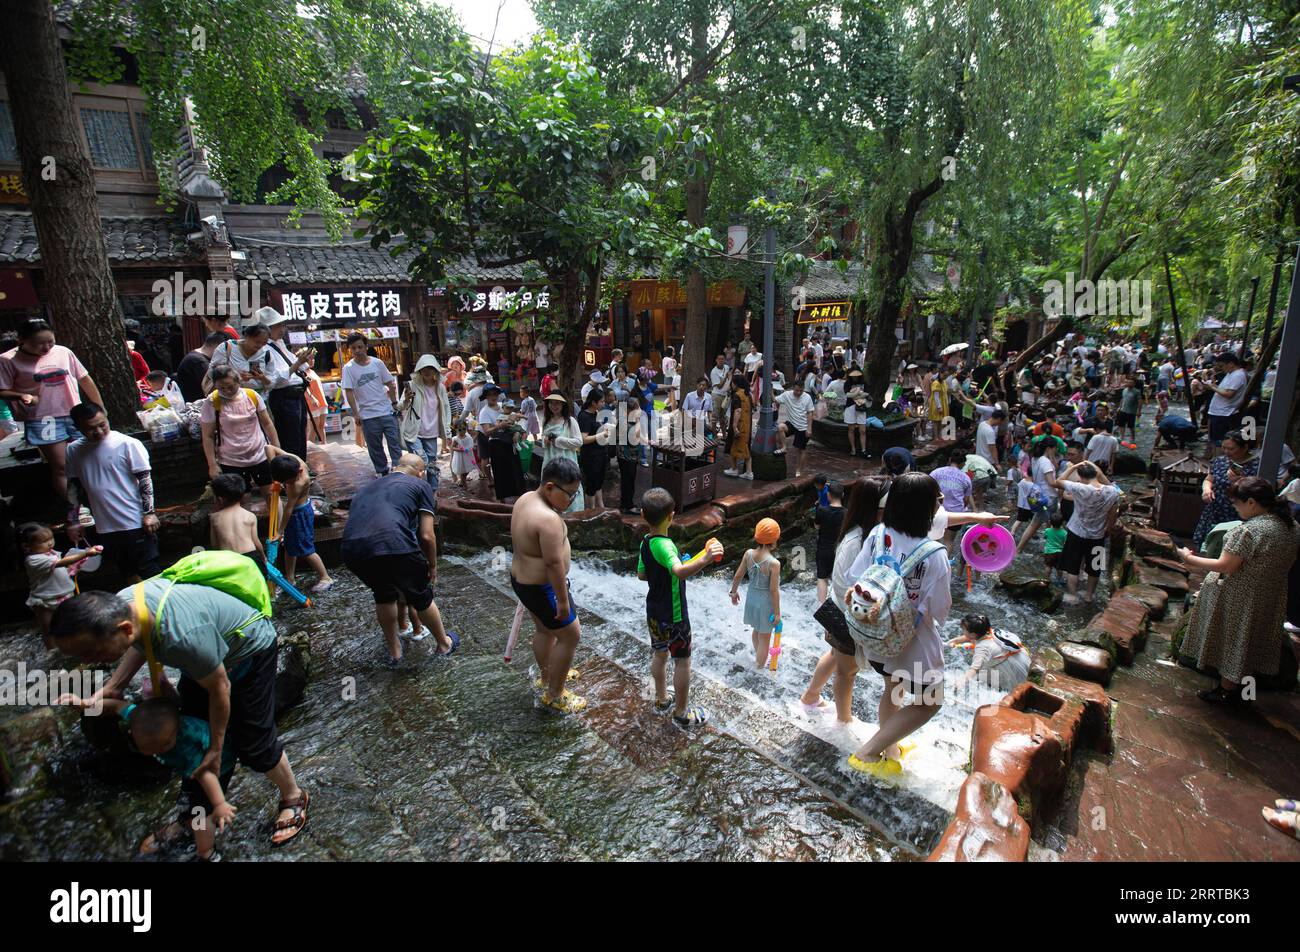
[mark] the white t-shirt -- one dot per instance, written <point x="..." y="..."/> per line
<point x="986" y="438"/>
<point x="719" y="376"/>
<point x="1091" y="505"/>
<point x="796" y="409"/>
<point x="106" y="471"/>
<point x="1101" y="448"/>
<point x="1040" y="469"/>
<point x="929" y="593"/>
<point x="846" y="553"/>
<point x="488" y="414"/>
<point x="752" y="360"/>
<point x="369" y="386"/>
<point x="1225" y="406"/>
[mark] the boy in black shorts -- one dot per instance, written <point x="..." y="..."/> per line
<point x="829" y="517"/>
<point x="667" y="619"/>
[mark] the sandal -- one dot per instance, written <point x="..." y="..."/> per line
<point x="296" y="823"/>
<point x="663" y="707"/>
<point x="455" y="643"/>
<point x="694" y="717"/>
<point x="566" y="703"/>
<point x="881" y="769"/>
<point x="1287" y="806"/>
<point x="169" y="833"/>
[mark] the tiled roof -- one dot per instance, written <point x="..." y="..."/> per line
<point x="303" y="263"/>
<point x="128" y="239"/>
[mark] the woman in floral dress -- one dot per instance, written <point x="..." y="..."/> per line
<point x="1236" y="624"/>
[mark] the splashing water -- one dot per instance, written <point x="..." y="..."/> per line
<point x="722" y="653"/>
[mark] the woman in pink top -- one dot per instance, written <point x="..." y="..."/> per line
<point x="236" y="428"/>
<point x="43" y="382"/>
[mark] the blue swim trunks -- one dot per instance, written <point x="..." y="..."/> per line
<point x="540" y="600"/>
<point x="300" y="532"/>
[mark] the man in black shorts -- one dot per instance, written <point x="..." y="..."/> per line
<point x="389" y="544"/>
<point x="798" y="420"/>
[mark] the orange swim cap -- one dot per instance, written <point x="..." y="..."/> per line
<point x="767" y="532"/>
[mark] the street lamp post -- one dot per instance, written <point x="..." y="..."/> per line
<point x="765" y="440"/>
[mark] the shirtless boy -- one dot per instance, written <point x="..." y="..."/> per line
<point x="539" y="570"/>
<point x="231" y="526"/>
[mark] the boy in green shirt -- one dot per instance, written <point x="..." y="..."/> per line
<point x="667" y="618"/>
<point x="1053" y="543"/>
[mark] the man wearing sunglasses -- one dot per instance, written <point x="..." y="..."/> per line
<point x="539" y="570"/>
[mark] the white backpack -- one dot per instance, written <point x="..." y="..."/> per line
<point x="881" y="617"/>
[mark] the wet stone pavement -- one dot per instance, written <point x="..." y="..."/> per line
<point x="451" y="759"/>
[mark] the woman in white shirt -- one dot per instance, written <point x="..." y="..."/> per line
<point x="1043" y="472"/>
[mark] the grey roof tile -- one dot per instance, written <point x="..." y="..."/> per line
<point x="151" y="239"/>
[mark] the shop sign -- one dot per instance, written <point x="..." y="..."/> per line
<point x="12" y="191"/>
<point x="816" y="313"/>
<point x="500" y="300"/>
<point x="340" y="335"/>
<point x="320" y="306"/>
<point x="644" y="295"/>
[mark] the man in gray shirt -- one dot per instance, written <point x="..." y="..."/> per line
<point x="226" y="652"/>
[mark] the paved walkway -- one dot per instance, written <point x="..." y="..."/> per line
<point x="1187" y="779"/>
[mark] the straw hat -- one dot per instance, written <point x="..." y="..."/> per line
<point x="767" y="532"/>
<point x="556" y="395"/>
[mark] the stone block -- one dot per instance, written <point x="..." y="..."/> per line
<point x="987" y="826"/>
<point x="1020" y="750"/>
<point x="1088" y="662"/>
<point x="1156" y="600"/>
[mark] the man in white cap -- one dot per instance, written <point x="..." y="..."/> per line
<point x="597" y="379"/>
<point x="287" y="400"/>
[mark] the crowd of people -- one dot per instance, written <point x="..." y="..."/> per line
<point x="1046" y="432"/>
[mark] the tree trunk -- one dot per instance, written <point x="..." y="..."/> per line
<point x="78" y="281"/>
<point x="892" y="266"/>
<point x="1063" y="327"/>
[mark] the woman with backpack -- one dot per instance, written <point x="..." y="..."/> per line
<point x="236" y="428"/>
<point x="913" y="566"/>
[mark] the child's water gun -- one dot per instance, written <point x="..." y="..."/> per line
<point x="273" y="549"/>
<point x="775" y="651"/>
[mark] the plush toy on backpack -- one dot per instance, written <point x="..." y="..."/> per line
<point x="881" y="618"/>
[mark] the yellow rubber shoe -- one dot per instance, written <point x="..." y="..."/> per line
<point x="566" y="703"/>
<point x="881" y="769"/>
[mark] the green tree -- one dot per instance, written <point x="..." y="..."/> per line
<point x="532" y="160"/>
<point x="262" y="77"/>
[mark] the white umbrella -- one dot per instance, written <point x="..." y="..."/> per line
<point x="952" y="349"/>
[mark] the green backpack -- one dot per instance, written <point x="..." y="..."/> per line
<point x="228" y="572"/>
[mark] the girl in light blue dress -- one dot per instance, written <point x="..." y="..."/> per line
<point x="763" y="594"/>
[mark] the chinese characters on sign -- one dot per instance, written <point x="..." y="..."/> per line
<point x="499" y="299"/>
<point x="833" y="311"/>
<point x="645" y="295"/>
<point x="318" y="306"/>
<point x="11" y="190"/>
